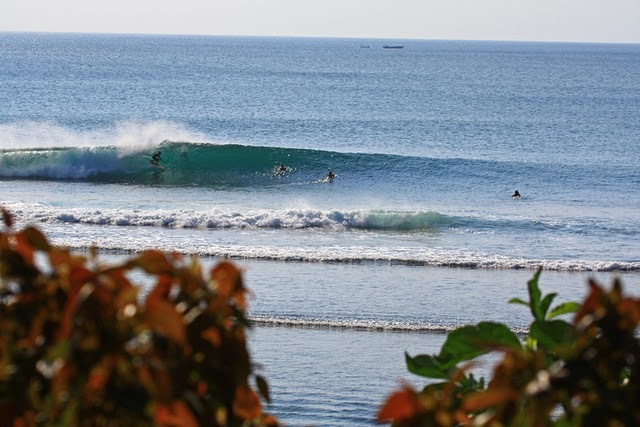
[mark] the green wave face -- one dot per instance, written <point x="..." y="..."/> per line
<point x="185" y="164"/>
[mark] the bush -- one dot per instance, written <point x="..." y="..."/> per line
<point x="79" y="348"/>
<point x="584" y="373"/>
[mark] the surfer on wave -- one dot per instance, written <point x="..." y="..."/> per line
<point x="155" y="159"/>
<point x="330" y="176"/>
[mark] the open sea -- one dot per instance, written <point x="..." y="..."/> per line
<point x="417" y="234"/>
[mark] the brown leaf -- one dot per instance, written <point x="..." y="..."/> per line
<point x="175" y="414"/>
<point x="591" y="303"/>
<point x="227" y="277"/>
<point x="161" y="290"/>
<point x="154" y="262"/>
<point x="7" y="218"/>
<point x="401" y="405"/>
<point x="80" y="276"/>
<point x="247" y="403"/>
<point x="78" y="294"/>
<point x="213" y="336"/>
<point x="488" y="398"/>
<point x="36" y="239"/>
<point x="23" y="247"/>
<point x="163" y="317"/>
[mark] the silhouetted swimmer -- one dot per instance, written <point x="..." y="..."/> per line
<point x="516" y="194"/>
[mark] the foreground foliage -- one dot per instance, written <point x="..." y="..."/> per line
<point x="583" y="373"/>
<point x="78" y="348"/>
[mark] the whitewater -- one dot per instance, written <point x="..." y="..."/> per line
<point x="417" y="234"/>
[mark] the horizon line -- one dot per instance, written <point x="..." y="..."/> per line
<point x="359" y="38"/>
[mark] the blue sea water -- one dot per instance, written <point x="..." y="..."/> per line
<point x="417" y="234"/>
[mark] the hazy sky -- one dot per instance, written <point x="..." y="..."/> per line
<point x="545" y="20"/>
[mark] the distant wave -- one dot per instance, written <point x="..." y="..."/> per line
<point x="365" y="325"/>
<point x="372" y="325"/>
<point x="216" y="165"/>
<point x="409" y="256"/>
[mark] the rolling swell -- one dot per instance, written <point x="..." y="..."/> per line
<point x="227" y="165"/>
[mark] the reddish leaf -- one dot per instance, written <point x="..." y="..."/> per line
<point x="488" y="398"/>
<point x="23" y="247"/>
<point x="76" y="296"/>
<point x="99" y="375"/>
<point x="176" y="414"/>
<point x="161" y="290"/>
<point x="213" y="336"/>
<point x="80" y="276"/>
<point x="247" y="404"/>
<point x="164" y="318"/>
<point x="401" y="405"/>
<point x="591" y="303"/>
<point x="227" y="278"/>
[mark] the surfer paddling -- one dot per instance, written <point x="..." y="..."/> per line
<point x="516" y="195"/>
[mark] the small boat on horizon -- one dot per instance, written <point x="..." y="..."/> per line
<point x="386" y="46"/>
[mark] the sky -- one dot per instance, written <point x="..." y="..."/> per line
<point x="607" y="21"/>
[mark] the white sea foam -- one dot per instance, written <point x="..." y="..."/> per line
<point x="332" y="239"/>
<point x="357" y="324"/>
<point x="220" y="219"/>
<point x="129" y="136"/>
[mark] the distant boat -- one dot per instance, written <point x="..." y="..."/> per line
<point x="386" y="46"/>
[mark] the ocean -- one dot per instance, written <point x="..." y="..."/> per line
<point x="417" y="233"/>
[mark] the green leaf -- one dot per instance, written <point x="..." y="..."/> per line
<point x="534" y="296"/>
<point x="518" y="301"/>
<point x="564" y="308"/>
<point x="546" y="303"/>
<point x="61" y="349"/>
<point x="469" y="342"/>
<point x="552" y="335"/>
<point x="263" y="387"/>
<point x="425" y="366"/>
<point x="462" y="344"/>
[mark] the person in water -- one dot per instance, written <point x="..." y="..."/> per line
<point x="155" y="159"/>
<point x="281" y="169"/>
<point x="330" y="176"/>
<point x="516" y="194"/>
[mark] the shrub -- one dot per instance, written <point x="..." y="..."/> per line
<point x="584" y="373"/>
<point x="78" y="347"/>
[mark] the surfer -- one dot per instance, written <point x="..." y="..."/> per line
<point x="330" y="176"/>
<point x="281" y="170"/>
<point x="155" y="159"/>
<point x="516" y="194"/>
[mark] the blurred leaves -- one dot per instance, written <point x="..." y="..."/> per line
<point x="583" y="373"/>
<point x="78" y="348"/>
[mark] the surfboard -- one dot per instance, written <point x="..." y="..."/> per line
<point x="153" y="164"/>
